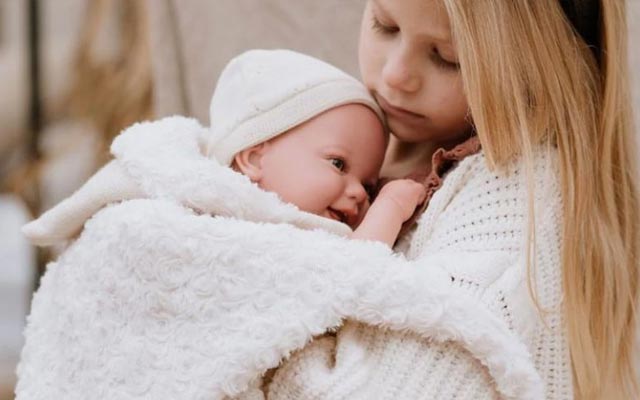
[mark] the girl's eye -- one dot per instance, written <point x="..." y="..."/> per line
<point x="382" y="28"/>
<point x="338" y="163"/>
<point x="441" y="62"/>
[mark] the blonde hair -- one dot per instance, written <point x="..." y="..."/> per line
<point x="527" y="57"/>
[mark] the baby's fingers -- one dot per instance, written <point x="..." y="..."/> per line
<point x="422" y="194"/>
<point x="417" y="190"/>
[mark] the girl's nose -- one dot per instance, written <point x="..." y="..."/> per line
<point x="399" y="73"/>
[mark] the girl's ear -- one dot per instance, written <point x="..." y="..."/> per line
<point x="249" y="161"/>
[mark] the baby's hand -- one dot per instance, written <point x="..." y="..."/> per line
<point x="396" y="203"/>
<point x="403" y="196"/>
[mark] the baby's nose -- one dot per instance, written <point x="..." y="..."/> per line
<point x="357" y="192"/>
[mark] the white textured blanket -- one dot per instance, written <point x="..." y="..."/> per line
<point x="194" y="292"/>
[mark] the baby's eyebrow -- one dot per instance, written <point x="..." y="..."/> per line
<point x="343" y="150"/>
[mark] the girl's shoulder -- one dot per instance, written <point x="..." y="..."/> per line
<point x="538" y="171"/>
<point x="477" y="194"/>
<point x="482" y="220"/>
<point x="478" y="208"/>
<point x="476" y="198"/>
<point x="479" y="228"/>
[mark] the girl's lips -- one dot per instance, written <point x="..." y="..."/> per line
<point x="398" y="112"/>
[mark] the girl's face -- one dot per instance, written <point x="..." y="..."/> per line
<point x="408" y="61"/>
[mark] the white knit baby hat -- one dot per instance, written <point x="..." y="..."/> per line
<point x="263" y="93"/>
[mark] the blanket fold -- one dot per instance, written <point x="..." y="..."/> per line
<point x="198" y="290"/>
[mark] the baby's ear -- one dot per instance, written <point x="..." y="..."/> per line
<point x="249" y="161"/>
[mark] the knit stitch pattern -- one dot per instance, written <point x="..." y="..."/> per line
<point x="476" y="229"/>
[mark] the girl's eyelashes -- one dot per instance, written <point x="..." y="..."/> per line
<point x="437" y="59"/>
<point x="338" y="163"/>
<point x="434" y="54"/>
<point x="382" y="28"/>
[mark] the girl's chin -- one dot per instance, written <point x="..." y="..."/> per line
<point x="425" y="134"/>
<point x="410" y="133"/>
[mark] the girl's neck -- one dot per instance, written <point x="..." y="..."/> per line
<point x="402" y="158"/>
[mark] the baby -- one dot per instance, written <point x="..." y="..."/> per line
<point x="184" y="283"/>
<point x="295" y="126"/>
<point x="326" y="144"/>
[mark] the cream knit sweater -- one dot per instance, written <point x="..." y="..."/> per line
<point x="475" y="228"/>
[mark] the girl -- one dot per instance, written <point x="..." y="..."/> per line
<point x="544" y="85"/>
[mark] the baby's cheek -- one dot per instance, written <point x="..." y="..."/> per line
<point x="319" y="193"/>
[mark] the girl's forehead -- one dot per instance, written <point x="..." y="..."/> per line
<point x="423" y="18"/>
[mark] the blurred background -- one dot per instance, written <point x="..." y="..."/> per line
<point x="73" y="73"/>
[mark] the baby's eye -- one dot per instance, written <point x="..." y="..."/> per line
<point x="338" y="163"/>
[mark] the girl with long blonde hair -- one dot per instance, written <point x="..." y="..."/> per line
<point x="545" y="87"/>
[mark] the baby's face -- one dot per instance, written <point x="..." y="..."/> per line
<point x="329" y="165"/>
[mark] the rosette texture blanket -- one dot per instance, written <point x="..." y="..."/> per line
<point x="202" y="282"/>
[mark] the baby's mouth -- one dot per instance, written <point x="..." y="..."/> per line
<point x="337" y="215"/>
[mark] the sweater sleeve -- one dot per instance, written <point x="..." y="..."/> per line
<point x="363" y="362"/>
